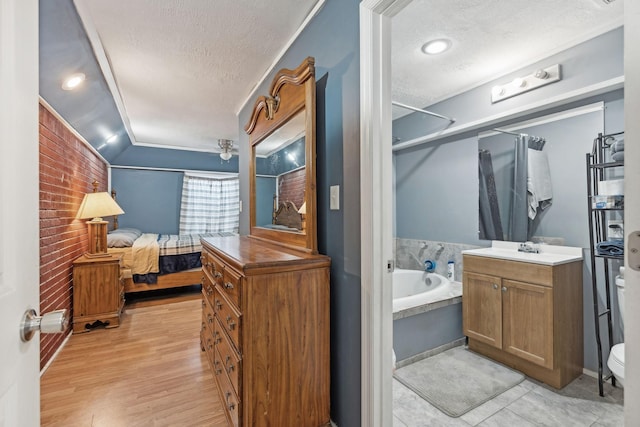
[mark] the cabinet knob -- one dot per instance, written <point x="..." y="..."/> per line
<point x="217" y="275"/>
<point x="228" y="285"/>
<point x="495" y="286"/>
<point x="504" y="289"/>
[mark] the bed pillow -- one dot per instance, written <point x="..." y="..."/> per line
<point x="121" y="239"/>
<point x="135" y="231"/>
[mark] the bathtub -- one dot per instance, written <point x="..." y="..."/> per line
<point x="427" y="315"/>
<point x="414" y="288"/>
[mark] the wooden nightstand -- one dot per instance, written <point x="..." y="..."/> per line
<point x="98" y="292"/>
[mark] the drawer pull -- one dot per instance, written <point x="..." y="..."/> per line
<point x="231" y="405"/>
<point x="218" y="338"/>
<point x="230" y="368"/>
<point x="495" y="286"/>
<point x="209" y="345"/>
<point x="218" y="371"/>
<point x="228" y="285"/>
<point x="203" y="304"/>
<point x="217" y="275"/>
<point x="232" y="325"/>
<point x="203" y="326"/>
<point x="218" y="305"/>
<point x="209" y="318"/>
<point x="504" y="289"/>
<point x="209" y="290"/>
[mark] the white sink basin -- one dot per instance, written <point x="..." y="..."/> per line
<point x="548" y="255"/>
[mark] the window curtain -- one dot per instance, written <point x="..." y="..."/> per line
<point x="209" y="205"/>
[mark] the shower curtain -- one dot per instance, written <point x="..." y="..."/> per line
<point x="519" y="220"/>
<point x="490" y="225"/>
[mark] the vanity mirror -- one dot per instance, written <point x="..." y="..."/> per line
<point x="282" y="178"/>
<point x="547" y="150"/>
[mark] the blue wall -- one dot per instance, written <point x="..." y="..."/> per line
<point x="150" y="199"/>
<point x="332" y="38"/>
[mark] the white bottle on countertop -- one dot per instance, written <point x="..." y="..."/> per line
<point x="451" y="270"/>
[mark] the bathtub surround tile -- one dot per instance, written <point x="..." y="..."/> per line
<point x="456" y="289"/>
<point x="411" y="254"/>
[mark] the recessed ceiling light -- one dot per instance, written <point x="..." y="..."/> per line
<point x="437" y="46"/>
<point x="73" y="81"/>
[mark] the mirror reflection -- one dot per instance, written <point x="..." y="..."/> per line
<point x="281" y="177"/>
<point x="532" y="180"/>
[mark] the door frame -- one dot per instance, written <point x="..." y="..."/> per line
<point x="376" y="207"/>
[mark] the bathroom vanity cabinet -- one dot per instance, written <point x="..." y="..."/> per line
<point x="525" y="315"/>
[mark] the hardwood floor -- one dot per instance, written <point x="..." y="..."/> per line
<point x="147" y="372"/>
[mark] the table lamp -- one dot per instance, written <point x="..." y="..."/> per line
<point x="97" y="205"/>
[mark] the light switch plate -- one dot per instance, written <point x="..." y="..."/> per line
<point x="334" y="197"/>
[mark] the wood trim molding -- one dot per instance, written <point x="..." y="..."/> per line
<point x="295" y="77"/>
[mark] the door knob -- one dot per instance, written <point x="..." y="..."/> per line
<point x="50" y="323"/>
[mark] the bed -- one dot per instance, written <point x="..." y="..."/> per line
<point x="154" y="261"/>
<point x="287" y="217"/>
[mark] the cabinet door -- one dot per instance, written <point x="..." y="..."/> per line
<point x="528" y="322"/>
<point x="482" y="308"/>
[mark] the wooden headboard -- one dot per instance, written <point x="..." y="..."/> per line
<point x="287" y="215"/>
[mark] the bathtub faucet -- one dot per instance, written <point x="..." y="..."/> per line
<point x="429" y="266"/>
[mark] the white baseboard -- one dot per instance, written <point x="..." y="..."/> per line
<point x="45" y="367"/>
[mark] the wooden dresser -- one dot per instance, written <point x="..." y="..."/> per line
<point x="98" y="292"/>
<point x="265" y="330"/>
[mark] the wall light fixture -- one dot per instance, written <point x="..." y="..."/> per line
<point x="540" y="77"/>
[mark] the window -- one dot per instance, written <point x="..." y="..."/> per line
<point x="210" y="204"/>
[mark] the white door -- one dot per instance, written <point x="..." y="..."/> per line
<point x="19" y="244"/>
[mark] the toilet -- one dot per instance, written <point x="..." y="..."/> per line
<point x="616" y="357"/>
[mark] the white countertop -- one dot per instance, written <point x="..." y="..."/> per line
<point x="548" y="255"/>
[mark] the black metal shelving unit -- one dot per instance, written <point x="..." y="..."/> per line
<point x="598" y="163"/>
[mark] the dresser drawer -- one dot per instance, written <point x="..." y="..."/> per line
<point x="228" y="396"/>
<point x="207" y="287"/>
<point x="229" y="318"/>
<point x="231" y="361"/>
<point x="207" y="315"/>
<point x="231" y="285"/>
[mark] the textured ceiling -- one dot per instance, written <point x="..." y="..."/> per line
<point x="490" y="38"/>
<point x="180" y="70"/>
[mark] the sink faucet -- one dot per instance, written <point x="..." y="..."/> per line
<point x="528" y="247"/>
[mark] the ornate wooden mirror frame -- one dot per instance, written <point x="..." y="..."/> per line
<point x="291" y="103"/>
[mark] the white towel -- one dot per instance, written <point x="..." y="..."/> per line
<point x="539" y="192"/>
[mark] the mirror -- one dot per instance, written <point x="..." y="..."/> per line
<point x="282" y="165"/>
<point x="506" y="162"/>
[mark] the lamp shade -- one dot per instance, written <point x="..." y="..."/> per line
<point x="97" y="205"/>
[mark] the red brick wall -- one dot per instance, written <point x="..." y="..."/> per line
<point x="67" y="168"/>
<point x="291" y="187"/>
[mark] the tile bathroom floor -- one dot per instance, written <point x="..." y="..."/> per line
<point x="529" y="403"/>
